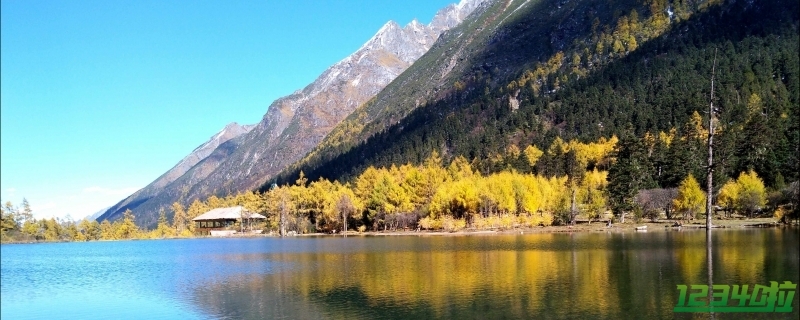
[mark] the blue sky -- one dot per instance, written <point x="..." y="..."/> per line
<point x="99" y="98"/>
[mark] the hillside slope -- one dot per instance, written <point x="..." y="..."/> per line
<point x="486" y="52"/>
<point x="530" y="71"/>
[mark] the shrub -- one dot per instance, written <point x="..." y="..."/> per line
<point x="479" y="222"/>
<point x="540" y="219"/>
<point x="452" y="225"/>
<point x="507" y="221"/>
<point x="526" y="220"/>
<point x="429" y="223"/>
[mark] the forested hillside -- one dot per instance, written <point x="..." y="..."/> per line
<point x="643" y="71"/>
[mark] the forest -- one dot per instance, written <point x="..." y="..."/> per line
<point x="566" y="182"/>
<point x="662" y="83"/>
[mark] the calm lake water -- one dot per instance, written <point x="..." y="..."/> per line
<point x="569" y="276"/>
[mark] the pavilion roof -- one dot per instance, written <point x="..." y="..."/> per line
<point x="228" y="213"/>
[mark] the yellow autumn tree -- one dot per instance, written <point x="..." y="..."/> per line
<point x="278" y="203"/>
<point x="531" y="201"/>
<point x="214" y="202"/>
<point x="365" y="182"/>
<point x="126" y="229"/>
<point x="558" y="147"/>
<point x="195" y="209"/>
<point x="591" y="194"/>
<point x="754" y="105"/>
<point x="341" y="206"/>
<point x="302" y="199"/>
<point x="528" y="194"/>
<point x="728" y="195"/>
<point x="667" y="138"/>
<point x="434" y="175"/>
<point x="320" y="194"/>
<point x="107" y="230"/>
<point x="179" y="219"/>
<point x="163" y="229"/>
<point x="752" y="195"/>
<point x="501" y="186"/>
<point x="697" y="129"/>
<point x="459" y="169"/>
<point x="249" y="200"/>
<point x="690" y="199"/>
<point x="414" y="183"/>
<point x="455" y="199"/>
<point x="532" y="154"/>
<point x="394" y="200"/>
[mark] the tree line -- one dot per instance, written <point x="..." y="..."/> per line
<point x="599" y="180"/>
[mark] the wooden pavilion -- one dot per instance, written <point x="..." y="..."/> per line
<point x="221" y="221"/>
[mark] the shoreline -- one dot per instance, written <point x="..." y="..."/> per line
<point x="581" y="227"/>
<point x="659" y="226"/>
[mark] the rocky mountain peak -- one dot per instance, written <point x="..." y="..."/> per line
<point x="414" y="25"/>
<point x="453" y="14"/>
<point x="231" y="130"/>
<point x="294" y="124"/>
<point x="412" y="41"/>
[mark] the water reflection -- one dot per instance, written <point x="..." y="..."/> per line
<point x="710" y="268"/>
<point x="540" y="275"/>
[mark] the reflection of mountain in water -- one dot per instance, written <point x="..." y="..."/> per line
<point x="532" y="276"/>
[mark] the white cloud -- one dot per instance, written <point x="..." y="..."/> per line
<point x="11" y="190"/>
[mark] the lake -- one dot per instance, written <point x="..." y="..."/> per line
<point x="552" y="275"/>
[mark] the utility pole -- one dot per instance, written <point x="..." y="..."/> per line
<point x="710" y="168"/>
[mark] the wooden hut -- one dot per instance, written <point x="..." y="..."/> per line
<point x="221" y="221"/>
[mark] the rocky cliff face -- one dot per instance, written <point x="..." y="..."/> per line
<point x="294" y="124"/>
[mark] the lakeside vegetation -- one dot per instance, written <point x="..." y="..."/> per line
<point x="568" y="181"/>
<point x="475" y="160"/>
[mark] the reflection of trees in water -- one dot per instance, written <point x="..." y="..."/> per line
<point x="545" y="275"/>
<point x="254" y="296"/>
<point x="710" y="262"/>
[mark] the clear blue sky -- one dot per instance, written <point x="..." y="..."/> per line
<point x="99" y="98"/>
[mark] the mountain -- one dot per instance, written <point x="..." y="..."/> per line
<point x="525" y="72"/>
<point x="96" y="215"/>
<point x="294" y="124"/>
<point x="484" y="52"/>
<point x="188" y="163"/>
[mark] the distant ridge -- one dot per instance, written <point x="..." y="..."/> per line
<point x="230" y="131"/>
<point x="97" y="214"/>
